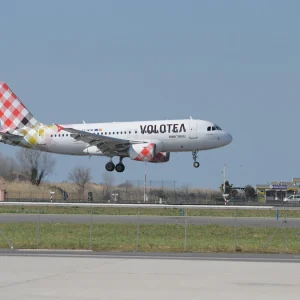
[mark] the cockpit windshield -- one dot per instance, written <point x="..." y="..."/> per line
<point x="212" y="128"/>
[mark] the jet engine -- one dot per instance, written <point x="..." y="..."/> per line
<point x="148" y="152"/>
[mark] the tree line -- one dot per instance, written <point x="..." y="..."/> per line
<point x="34" y="166"/>
<point x="250" y="193"/>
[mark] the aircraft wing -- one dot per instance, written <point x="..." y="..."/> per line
<point x="105" y="143"/>
<point x="5" y="136"/>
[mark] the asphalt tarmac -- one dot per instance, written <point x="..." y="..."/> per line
<point x="250" y="257"/>
<point x="100" y="219"/>
<point x="84" y="275"/>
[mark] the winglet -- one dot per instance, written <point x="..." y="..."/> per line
<point x="59" y="128"/>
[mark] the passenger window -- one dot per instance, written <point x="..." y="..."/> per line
<point x="209" y="128"/>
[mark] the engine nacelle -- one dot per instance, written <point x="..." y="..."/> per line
<point x="148" y="152"/>
<point x="142" y="152"/>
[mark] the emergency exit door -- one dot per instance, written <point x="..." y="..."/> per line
<point x="193" y="129"/>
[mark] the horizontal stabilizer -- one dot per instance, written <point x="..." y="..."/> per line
<point x="4" y="136"/>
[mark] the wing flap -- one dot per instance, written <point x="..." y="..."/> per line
<point x="92" y="138"/>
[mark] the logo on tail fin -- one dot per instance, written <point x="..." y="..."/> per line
<point x="13" y="113"/>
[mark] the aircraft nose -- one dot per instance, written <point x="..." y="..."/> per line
<point x="228" y="137"/>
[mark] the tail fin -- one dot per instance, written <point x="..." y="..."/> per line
<point x="13" y="113"/>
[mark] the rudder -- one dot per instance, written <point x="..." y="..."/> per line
<point x="13" y="113"/>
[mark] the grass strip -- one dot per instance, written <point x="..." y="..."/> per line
<point x="148" y="211"/>
<point x="154" y="238"/>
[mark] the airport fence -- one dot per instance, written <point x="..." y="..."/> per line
<point x="147" y="229"/>
<point x="131" y="191"/>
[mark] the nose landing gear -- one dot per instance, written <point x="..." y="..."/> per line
<point x="195" y="156"/>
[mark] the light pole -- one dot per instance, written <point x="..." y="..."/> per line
<point x="241" y="178"/>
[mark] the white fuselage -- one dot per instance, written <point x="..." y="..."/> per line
<point x="170" y="135"/>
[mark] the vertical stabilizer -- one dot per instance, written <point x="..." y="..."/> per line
<point x="13" y="113"/>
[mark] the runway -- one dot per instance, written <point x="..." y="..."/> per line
<point x="122" y="276"/>
<point x="120" y="219"/>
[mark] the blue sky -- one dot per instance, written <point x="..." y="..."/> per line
<point x="235" y="63"/>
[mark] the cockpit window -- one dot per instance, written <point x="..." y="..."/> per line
<point x="215" y="127"/>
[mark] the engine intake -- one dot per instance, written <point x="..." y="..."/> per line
<point x="161" y="157"/>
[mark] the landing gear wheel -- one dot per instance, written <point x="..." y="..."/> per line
<point x="196" y="164"/>
<point x="110" y="166"/>
<point x="120" y="167"/>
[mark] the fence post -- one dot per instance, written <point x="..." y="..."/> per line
<point x="174" y="192"/>
<point x="284" y="232"/>
<point x="38" y="231"/>
<point x="235" y="230"/>
<point x="185" y="231"/>
<point x="137" y="231"/>
<point x="91" y="229"/>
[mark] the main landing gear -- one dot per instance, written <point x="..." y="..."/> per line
<point x="110" y="166"/>
<point x="195" y="156"/>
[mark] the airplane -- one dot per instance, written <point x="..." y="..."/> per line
<point x="146" y="141"/>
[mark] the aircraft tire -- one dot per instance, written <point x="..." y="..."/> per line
<point x="110" y="166"/>
<point x="120" y="168"/>
<point x="196" y="164"/>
